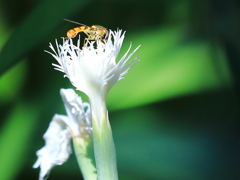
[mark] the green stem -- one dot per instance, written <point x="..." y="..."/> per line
<point x="84" y="153"/>
<point x="104" y="148"/>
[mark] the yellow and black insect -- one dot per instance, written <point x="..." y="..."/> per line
<point x="94" y="32"/>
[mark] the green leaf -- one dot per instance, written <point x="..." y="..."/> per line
<point x="14" y="138"/>
<point x="168" y="67"/>
<point x="10" y="84"/>
<point x="43" y="20"/>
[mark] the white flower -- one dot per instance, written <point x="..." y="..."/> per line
<point x="57" y="146"/>
<point x="93" y="69"/>
<point x="78" y="112"/>
<point x="60" y="131"/>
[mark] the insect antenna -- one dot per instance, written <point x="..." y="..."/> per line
<point x="74" y="22"/>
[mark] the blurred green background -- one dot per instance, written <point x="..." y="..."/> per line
<point x="174" y="117"/>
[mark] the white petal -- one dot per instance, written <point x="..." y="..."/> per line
<point x="93" y="68"/>
<point x="79" y="116"/>
<point x="57" y="146"/>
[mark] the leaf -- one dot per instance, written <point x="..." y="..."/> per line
<point x="14" y="138"/>
<point x="168" y="67"/>
<point x="41" y="21"/>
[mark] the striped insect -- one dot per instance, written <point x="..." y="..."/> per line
<point x="94" y="32"/>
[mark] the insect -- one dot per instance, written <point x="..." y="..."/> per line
<point x="94" y="32"/>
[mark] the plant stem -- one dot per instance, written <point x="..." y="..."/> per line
<point x="84" y="154"/>
<point x="104" y="148"/>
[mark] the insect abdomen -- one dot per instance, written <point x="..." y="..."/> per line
<point x="72" y="33"/>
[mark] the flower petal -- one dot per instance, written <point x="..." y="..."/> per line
<point x="79" y="116"/>
<point x="57" y="146"/>
<point x="93" y="68"/>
